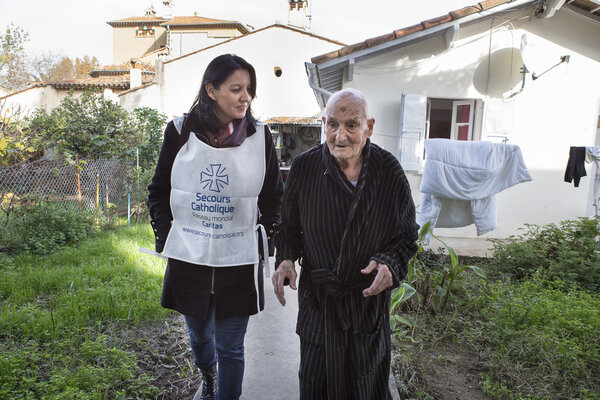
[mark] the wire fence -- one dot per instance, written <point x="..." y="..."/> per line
<point x="92" y="185"/>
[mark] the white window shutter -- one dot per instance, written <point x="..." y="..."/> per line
<point x="411" y="138"/>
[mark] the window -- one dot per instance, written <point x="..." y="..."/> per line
<point x="432" y="118"/>
<point x="462" y="120"/>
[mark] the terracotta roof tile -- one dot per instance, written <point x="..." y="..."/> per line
<point x="486" y="5"/>
<point x="111" y="82"/>
<point x="113" y="70"/>
<point x="294" y="121"/>
<point x="352" y="48"/>
<point x="466" y="11"/>
<point x="325" y="57"/>
<point x="380" y="39"/>
<point x="132" y="20"/>
<point x="408" y="30"/>
<point x="428" y="24"/>
<point x="194" y="20"/>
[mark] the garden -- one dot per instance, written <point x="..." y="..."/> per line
<point x="524" y="324"/>
<point x="80" y="316"/>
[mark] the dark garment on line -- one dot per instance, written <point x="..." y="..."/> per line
<point x="187" y="286"/>
<point x="576" y="165"/>
<point x="335" y="230"/>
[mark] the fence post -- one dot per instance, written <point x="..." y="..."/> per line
<point x="128" y="208"/>
<point x="98" y="192"/>
<point x="78" y="172"/>
<point x="107" y="210"/>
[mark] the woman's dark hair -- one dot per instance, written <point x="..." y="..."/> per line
<point x="217" y="72"/>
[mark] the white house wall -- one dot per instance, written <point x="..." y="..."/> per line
<point x="45" y="97"/>
<point x="552" y="113"/>
<point x="143" y="97"/>
<point x="288" y="95"/>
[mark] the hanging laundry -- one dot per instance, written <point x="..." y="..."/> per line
<point x="575" y="166"/>
<point x="593" y="155"/>
<point x="461" y="179"/>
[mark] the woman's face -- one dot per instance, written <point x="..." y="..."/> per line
<point x="232" y="98"/>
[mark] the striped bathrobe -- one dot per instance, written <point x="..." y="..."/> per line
<point x="334" y="230"/>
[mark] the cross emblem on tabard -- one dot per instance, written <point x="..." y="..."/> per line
<point x="214" y="178"/>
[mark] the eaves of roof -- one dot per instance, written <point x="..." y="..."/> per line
<point x="256" y="32"/>
<point x="430" y="24"/>
<point x="326" y="72"/>
<point x="207" y="26"/>
<point x="106" y="82"/>
<point x="305" y="121"/>
<point x="135" y="21"/>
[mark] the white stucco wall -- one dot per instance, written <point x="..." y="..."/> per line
<point x="558" y="110"/>
<point x="288" y="95"/>
<point x="143" y="97"/>
<point x="29" y="99"/>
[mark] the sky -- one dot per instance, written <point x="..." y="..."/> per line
<point x="78" y="27"/>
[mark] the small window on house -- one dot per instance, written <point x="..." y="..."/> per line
<point x="431" y="118"/>
<point x="277" y="71"/>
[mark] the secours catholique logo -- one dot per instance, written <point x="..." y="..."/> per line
<point x="214" y="178"/>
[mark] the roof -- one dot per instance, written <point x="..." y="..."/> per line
<point x="203" y="23"/>
<point x="326" y="71"/>
<point x="591" y="7"/>
<point x="258" y="31"/>
<point x="313" y="121"/>
<point x="134" y="21"/>
<point x="402" y="32"/>
<point x="120" y="70"/>
<point x="179" y="22"/>
<point x="119" y="82"/>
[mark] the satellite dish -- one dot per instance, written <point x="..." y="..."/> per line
<point x="538" y="57"/>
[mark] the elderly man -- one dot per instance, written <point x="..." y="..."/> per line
<point x="349" y="218"/>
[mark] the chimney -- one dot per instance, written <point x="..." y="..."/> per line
<point x="135" y="75"/>
<point x="297" y="16"/>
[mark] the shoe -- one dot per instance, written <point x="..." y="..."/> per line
<point x="208" y="387"/>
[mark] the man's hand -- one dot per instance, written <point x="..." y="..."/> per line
<point x="382" y="281"/>
<point x="284" y="270"/>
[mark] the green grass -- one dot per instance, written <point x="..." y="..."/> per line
<point x="545" y="339"/>
<point x="58" y="312"/>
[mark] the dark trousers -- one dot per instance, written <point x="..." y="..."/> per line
<point x="365" y="385"/>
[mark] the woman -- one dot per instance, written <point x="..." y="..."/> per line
<point x="217" y="183"/>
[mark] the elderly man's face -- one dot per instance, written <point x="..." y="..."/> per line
<point x="347" y="129"/>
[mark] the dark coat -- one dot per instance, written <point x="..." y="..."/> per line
<point x="335" y="230"/>
<point x="187" y="287"/>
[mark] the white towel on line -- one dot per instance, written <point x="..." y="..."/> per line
<point x="461" y="179"/>
<point x="593" y="155"/>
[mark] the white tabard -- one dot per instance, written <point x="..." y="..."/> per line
<point x="214" y="195"/>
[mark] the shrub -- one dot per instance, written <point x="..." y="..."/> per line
<point x="43" y="228"/>
<point x="569" y="252"/>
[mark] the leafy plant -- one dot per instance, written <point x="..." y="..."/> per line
<point x="44" y="227"/>
<point x="89" y="126"/>
<point x="451" y="273"/>
<point x="399" y="296"/>
<point x="424" y="263"/>
<point x="569" y="251"/>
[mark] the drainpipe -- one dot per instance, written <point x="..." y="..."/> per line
<point x="324" y="93"/>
